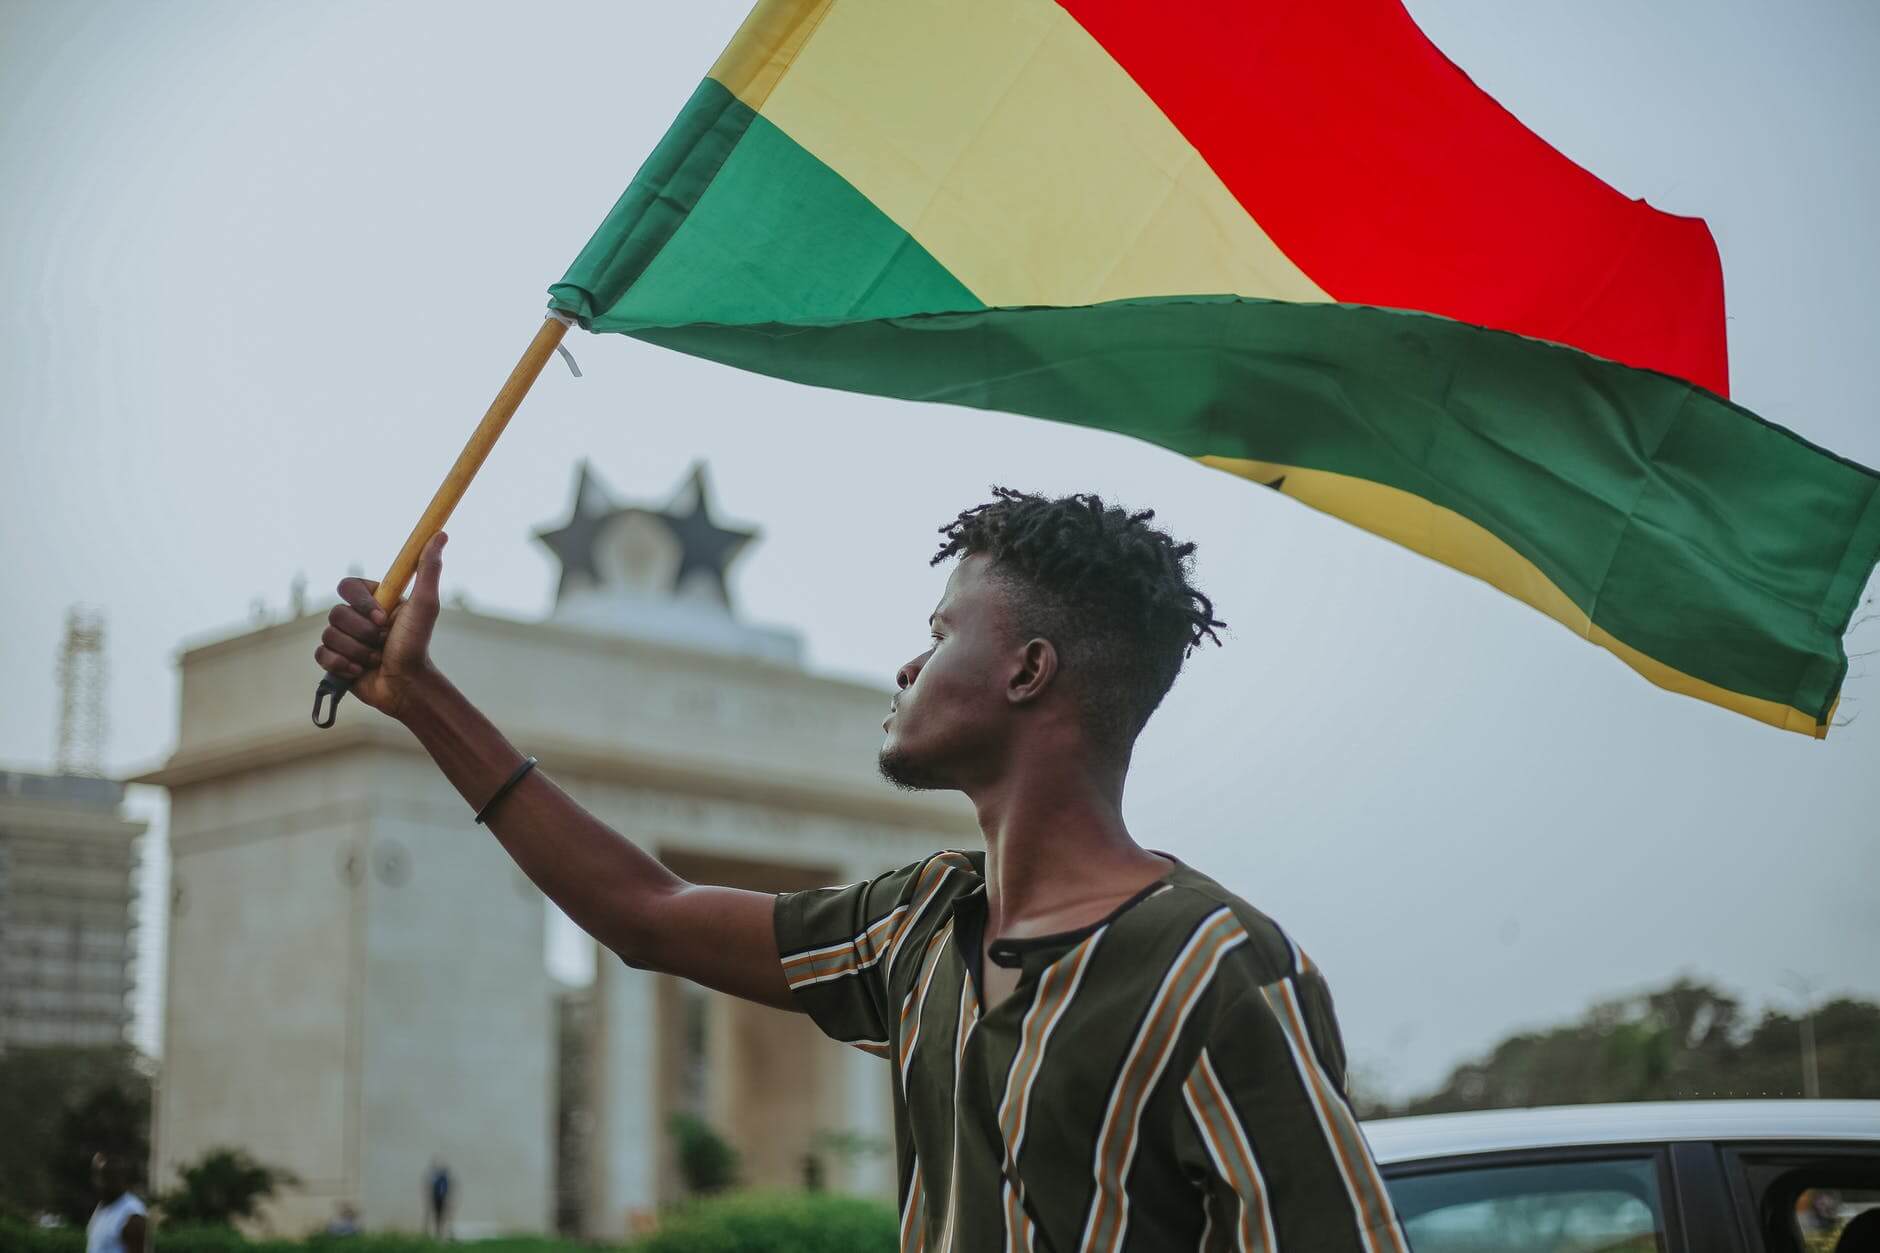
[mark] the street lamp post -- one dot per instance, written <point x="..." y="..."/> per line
<point x="1805" y="991"/>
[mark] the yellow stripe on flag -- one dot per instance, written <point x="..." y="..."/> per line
<point x="1005" y="140"/>
<point x="764" y="47"/>
<point x="1446" y="536"/>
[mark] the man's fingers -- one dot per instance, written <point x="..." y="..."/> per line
<point x="430" y="570"/>
<point x="330" y="661"/>
<point x="358" y="631"/>
<point x="358" y="593"/>
<point x="347" y="646"/>
<point x="350" y="621"/>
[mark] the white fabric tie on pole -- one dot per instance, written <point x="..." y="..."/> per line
<point x="567" y="356"/>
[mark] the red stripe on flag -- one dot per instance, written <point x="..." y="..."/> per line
<point x="1392" y="179"/>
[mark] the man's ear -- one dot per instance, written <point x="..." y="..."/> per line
<point x="1037" y="670"/>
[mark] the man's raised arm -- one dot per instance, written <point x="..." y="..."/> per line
<point x="720" y="937"/>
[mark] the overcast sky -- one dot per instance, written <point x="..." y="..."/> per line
<point x="263" y="266"/>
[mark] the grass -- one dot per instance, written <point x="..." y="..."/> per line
<point x="740" y="1223"/>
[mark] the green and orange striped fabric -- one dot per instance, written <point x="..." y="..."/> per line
<point x="1289" y="239"/>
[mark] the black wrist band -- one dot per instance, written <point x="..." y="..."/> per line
<point x="505" y="789"/>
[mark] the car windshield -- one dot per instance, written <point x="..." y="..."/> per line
<point x="1556" y="1207"/>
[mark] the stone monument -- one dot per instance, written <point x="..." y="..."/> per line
<point x="356" y="975"/>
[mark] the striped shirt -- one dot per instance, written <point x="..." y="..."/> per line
<point x="1170" y="1077"/>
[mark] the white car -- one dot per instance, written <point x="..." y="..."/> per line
<point x="1657" y="1177"/>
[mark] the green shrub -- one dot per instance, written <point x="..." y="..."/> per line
<point x="20" y="1236"/>
<point x="221" y="1186"/>
<point x="400" y="1242"/>
<point x="707" y="1162"/>
<point x="196" y="1238"/>
<point x="770" y="1223"/>
<point x="191" y="1238"/>
<point x="744" y="1223"/>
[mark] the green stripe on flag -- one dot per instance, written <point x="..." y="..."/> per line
<point x="1613" y="481"/>
<point x="732" y="222"/>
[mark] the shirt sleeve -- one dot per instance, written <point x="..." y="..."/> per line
<point x="1268" y="1130"/>
<point x="839" y="945"/>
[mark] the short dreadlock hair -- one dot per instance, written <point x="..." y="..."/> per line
<point x="1109" y="591"/>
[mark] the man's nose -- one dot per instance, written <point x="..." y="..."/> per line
<point x="905" y="676"/>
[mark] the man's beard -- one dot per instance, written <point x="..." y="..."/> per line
<point x="898" y="767"/>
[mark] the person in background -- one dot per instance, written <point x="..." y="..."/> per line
<point x="1818" y="1211"/>
<point x="119" y="1223"/>
<point x="439" y="1196"/>
<point x="345" y="1221"/>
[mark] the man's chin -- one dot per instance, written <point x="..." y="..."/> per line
<point x="900" y="768"/>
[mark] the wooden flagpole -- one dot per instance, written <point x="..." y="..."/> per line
<point x="455" y="483"/>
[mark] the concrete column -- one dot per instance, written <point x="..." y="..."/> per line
<point x="867" y="1086"/>
<point x="626" y="1141"/>
<point x="869" y="1111"/>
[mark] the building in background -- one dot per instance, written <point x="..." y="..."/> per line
<point x="356" y="979"/>
<point x="68" y="863"/>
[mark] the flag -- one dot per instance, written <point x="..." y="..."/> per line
<point x="1286" y="238"/>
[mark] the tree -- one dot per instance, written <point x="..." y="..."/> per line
<point x="59" y="1105"/>
<point x="221" y="1186"/>
<point x="1684" y="1041"/>
<point x="114" y="1119"/>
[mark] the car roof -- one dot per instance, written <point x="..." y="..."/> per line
<point x="1488" y="1131"/>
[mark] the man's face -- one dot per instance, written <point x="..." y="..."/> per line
<point x="951" y="717"/>
<point x="106" y="1178"/>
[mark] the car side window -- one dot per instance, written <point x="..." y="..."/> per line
<point x="1822" y="1217"/>
<point x="1565" y="1206"/>
<point x="1811" y="1198"/>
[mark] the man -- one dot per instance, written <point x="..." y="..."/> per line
<point x="1094" y="1045"/>
<point x="118" y="1224"/>
<point x="437" y="1197"/>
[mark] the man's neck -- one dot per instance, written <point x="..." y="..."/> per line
<point x="1058" y="854"/>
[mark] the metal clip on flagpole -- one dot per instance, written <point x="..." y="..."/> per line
<point x="334" y="686"/>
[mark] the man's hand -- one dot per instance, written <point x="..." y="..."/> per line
<point x="384" y="654"/>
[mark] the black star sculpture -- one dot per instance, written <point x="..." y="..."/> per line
<point x="573" y="542"/>
<point x="704" y="546"/>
